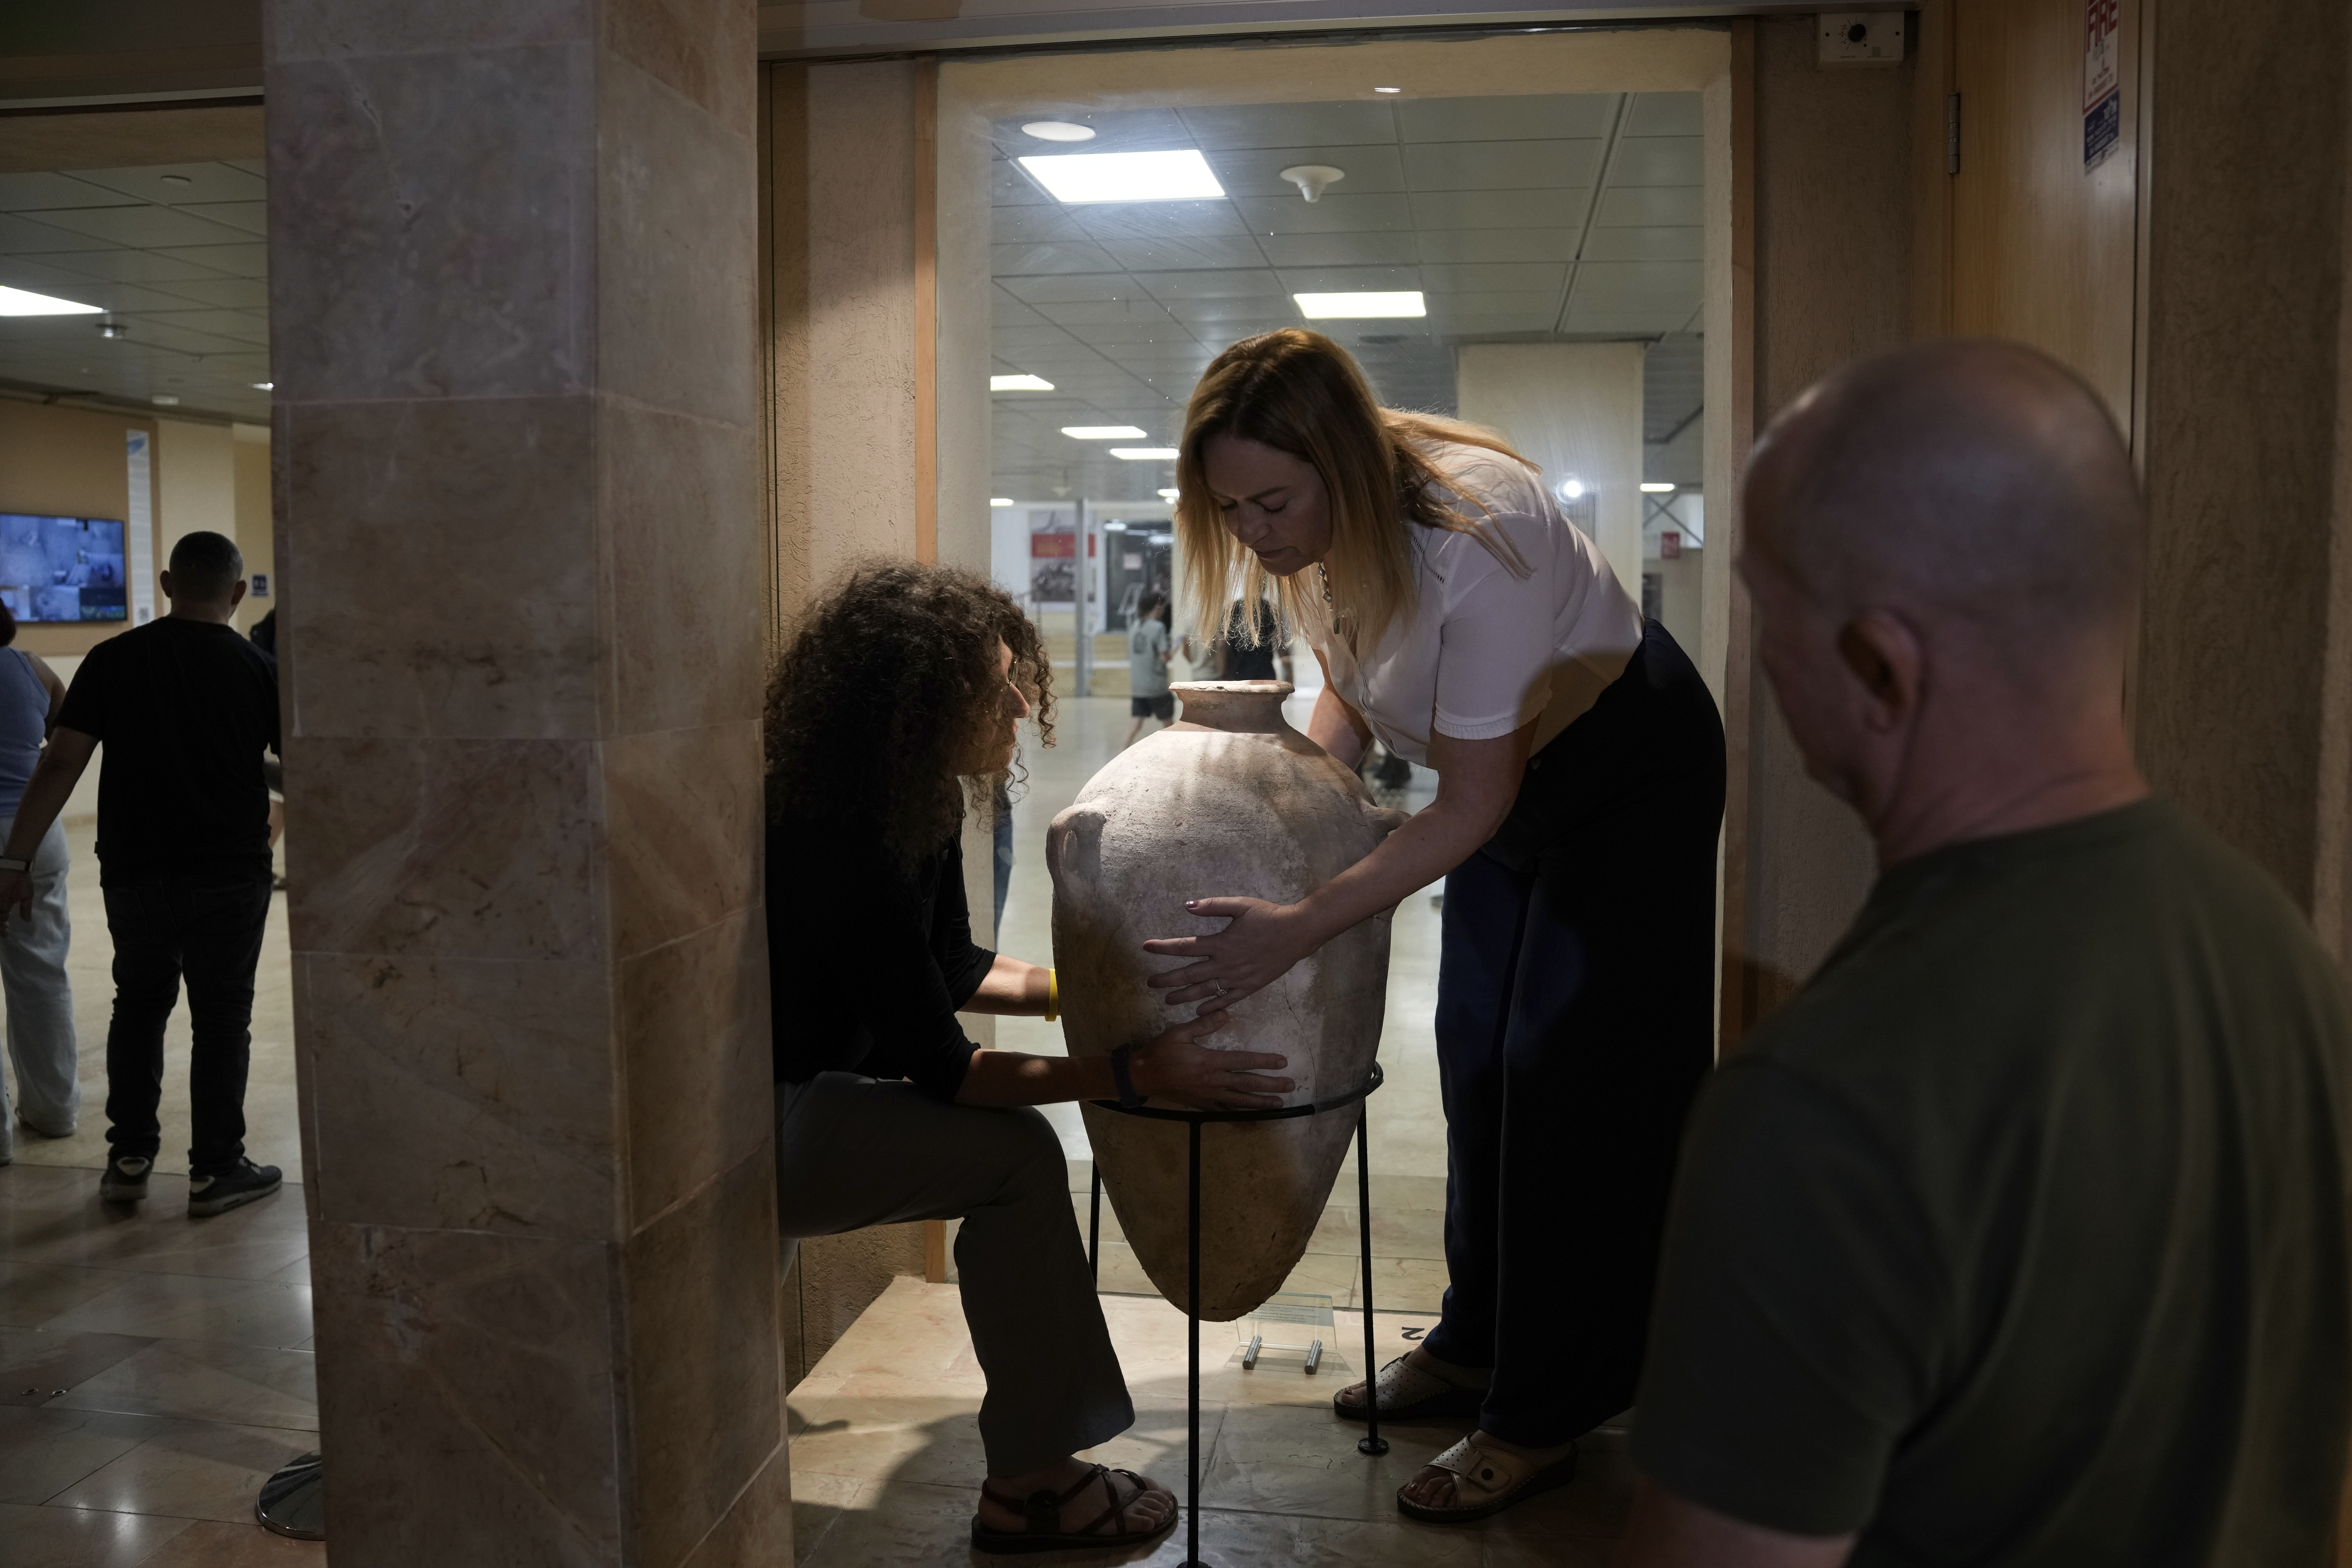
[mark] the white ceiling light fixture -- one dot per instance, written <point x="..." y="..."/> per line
<point x="1144" y="454"/>
<point x="165" y="400"/>
<point x="1649" y="488"/>
<point x="263" y="385"/>
<point x="1170" y="494"/>
<point x="1102" y="432"/>
<point x="1310" y="178"/>
<point x="25" y="303"/>
<point x="1076" y="178"/>
<point x="1019" y="384"/>
<point x="1388" y="90"/>
<point x="1571" y="489"/>
<point x="1058" y="131"/>
<point x="1361" y="307"/>
<point x="1000" y="501"/>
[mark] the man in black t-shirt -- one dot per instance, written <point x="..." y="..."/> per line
<point x="2016" y="1239"/>
<point x="185" y="708"/>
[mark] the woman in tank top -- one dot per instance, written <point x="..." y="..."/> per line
<point x="1463" y="620"/>
<point x="34" y="941"/>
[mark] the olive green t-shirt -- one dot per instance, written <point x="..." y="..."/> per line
<point x="2018" y="1236"/>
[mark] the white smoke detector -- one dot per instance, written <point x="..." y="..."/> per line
<point x="1310" y="178"/>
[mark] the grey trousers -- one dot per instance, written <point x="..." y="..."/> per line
<point x="40" y="1000"/>
<point x="853" y="1151"/>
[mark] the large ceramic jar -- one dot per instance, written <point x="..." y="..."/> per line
<point x="1231" y="802"/>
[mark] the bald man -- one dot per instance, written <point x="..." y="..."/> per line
<point x="2018" y="1236"/>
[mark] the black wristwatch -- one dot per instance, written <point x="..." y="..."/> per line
<point x="1123" y="1076"/>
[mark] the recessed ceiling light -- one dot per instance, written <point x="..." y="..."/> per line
<point x="1360" y="307"/>
<point x="1019" y="384"/>
<point x="1571" y="489"/>
<point x="1170" y="494"/>
<point x="1145" y="454"/>
<point x="1651" y="490"/>
<point x="1388" y="90"/>
<point x="1079" y="177"/>
<point x="1058" y="131"/>
<point x="25" y="303"/>
<point x="1101" y="432"/>
<point x="263" y="385"/>
<point x="1000" y="501"/>
<point x="165" y="399"/>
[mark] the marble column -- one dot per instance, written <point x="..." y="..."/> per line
<point x="512" y="257"/>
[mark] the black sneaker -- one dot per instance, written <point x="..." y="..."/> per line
<point x="125" y="1181"/>
<point x="234" y="1188"/>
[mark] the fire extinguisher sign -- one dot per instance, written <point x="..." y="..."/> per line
<point x="2102" y="88"/>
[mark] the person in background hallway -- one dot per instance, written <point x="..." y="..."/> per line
<point x="1147" y="666"/>
<point x="1462" y="619"/>
<point x="33" y="948"/>
<point x="184" y="708"/>
<point x="2017" y="1237"/>
<point x="1252" y="646"/>
<point x="264" y="633"/>
<point x="897" y="701"/>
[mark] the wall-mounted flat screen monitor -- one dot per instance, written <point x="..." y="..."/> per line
<point x="62" y="568"/>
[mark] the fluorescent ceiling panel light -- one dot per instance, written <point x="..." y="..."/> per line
<point x="25" y="303"/>
<point x="1019" y="384"/>
<point x="1388" y="90"/>
<point x="1652" y="489"/>
<point x="1101" y="432"/>
<point x="1145" y="454"/>
<point x="1170" y="494"/>
<point x="1360" y="307"/>
<point x="1000" y="501"/>
<point x="1078" y="177"/>
<point x="263" y="385"/>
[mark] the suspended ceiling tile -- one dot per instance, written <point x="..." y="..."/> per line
<point x="1547" y="276"/>
<point x="1656" y="206"/>
<point x="160" y="333"/>
<point x="1651" y="282"/>
<point x="1206" y="284"/>
<point x="1166" y="255"/>
<point x="138" y="267"/>
<point x="1372" y="249"/>
<point x="177" y="183"/>
<point x="23" y="237"/>
<point x="1347" y="280"/>
<point x="1336" y="212"/>
<point x="1268" y="312"/>
<point x="1494" y="301"/>
<point x="1619" y="323"/>
<point x="1026" y="260"/>
<point x="1030" y="332"/>
<point x="1664" y="114"/>
<point x="1158" y="220"/>
<point x="1658" y="160"/>
<point x="1500" y="209"/>
<point x="1582" y="115"/>
<point x="1503" y="165"/>
<point x="1032" y="225"/>
<point x="1063" y="287"/>
<point x="1502" y="324"/>
<point x="141" y="226"/>
<point x="252" y="217"/>
<point x="1291" y="124"/>
<point x="20" y="193"/>
<point x="1491" y="245"/>
<point x="246" y="326"/>
<point x="1150" y="323"/>
<point x="1093" y="313"/>
<point x="1257" y="171"/>
<point x="1007" y="311"/>
<point x="1008" y="186"/>
<point x="1659" y="243"/>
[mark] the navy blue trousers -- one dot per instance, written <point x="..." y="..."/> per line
<point x="1575" y="1003"/>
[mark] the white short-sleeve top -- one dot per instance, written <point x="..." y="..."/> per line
<point x="1484" y="650"/>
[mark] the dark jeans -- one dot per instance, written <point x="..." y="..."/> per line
<point x="1575" y="1001"/>
<point x="209" y="928"/>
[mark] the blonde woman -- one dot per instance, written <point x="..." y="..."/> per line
<point x="1462" y="619"/>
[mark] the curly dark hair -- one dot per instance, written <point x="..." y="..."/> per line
<point x="885" y="690"/>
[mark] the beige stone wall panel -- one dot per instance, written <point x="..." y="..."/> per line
<point x="695" y="1053"/>
<point x="680" y="808"/>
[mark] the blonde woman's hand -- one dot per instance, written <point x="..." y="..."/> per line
<point x="1257" y="946"/>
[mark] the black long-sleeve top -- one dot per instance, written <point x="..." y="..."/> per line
<point x="889" y="958"/>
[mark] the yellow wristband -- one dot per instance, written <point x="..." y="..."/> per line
<point x="1053" y="996"/>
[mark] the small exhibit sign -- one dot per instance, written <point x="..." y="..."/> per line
<point x="260" y="581"/>
<point x="2102" y="88"/>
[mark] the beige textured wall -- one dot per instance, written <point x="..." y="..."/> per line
<point x="2245" y="663"/>
<point x="257" y="529"/>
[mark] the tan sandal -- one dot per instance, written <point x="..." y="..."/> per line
<point x="1485" y="1482"/>
<point x="1408" y="1393"/>
<point x="1042" y="1510"/>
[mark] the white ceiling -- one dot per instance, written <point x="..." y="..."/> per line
<point x="1521" y="219"/>
<point x="175" y="252"/>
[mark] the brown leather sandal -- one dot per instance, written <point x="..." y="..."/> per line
<point x="1044" y="1510"/>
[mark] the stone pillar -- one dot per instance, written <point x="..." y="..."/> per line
<point x="1572" y="409"/>
<point x="512" y="264"/>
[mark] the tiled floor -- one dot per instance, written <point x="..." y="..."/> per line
<point x="887" y="1458"/>
<point x="154" y="1369"/>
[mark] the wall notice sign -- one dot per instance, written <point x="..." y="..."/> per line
<point x="1670" y="544"/>
<point x="260" y="585"/>
<point x="2103" y="87"/>
<point x="141" y="543"/>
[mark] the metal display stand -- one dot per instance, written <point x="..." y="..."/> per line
<point x="1372" y="1443"/>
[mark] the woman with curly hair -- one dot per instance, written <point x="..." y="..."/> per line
<point x="1463" y="620"/>
<point x="895" y="706"/>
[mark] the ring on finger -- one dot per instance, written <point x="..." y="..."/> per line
<point x="1219" y="985"/>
